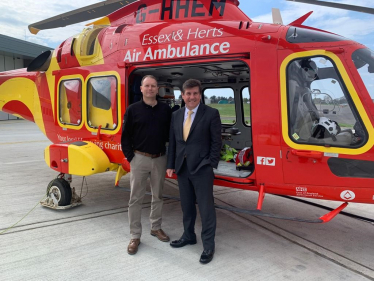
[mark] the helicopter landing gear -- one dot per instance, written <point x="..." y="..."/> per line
<point x="60" y="195"/>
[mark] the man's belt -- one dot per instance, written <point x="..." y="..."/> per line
<point x="150" y="155"/>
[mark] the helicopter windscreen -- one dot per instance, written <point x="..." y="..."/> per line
<point x="320" y="108"/>
<point x="364" y="62"/>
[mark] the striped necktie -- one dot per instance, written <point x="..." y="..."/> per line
<point x="187" y="125"/>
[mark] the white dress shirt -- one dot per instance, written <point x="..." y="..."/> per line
<point x="192" y="115"/>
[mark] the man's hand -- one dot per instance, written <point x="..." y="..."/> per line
<point x="170" y="172"/>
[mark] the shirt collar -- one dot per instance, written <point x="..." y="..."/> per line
<point x="149" y="106"/>
<point x="194" y="110"/>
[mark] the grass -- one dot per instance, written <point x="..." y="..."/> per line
<point x="227" y="112"/>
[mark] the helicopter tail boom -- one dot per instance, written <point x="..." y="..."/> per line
<point x="19" y="95"/>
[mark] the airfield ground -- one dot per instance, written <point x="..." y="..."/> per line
<point x="89" y="242"/>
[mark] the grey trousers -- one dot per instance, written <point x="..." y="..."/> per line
<point x="143" y="167"/>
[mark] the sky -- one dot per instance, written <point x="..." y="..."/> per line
<point x="15" y="16"/>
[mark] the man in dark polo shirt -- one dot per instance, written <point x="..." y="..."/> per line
<point x="145" y="131"/>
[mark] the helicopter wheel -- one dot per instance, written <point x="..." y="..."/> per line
<point x="61" y="191"/>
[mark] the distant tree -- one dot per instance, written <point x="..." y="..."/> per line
<point x="317" y="100"/>
<point x="213" y="99"/>
<point x="327" y="99"/>
<point x="245" y="100"/>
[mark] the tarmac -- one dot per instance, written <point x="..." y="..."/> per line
<point x="89" y="242"/>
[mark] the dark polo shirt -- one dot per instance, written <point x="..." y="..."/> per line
<point x="145" y="128"/>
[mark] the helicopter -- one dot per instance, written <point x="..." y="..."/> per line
<point x="295" y="96"/>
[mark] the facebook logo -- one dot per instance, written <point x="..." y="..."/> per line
<point x="261" y="160"/>
<point x="266" y="161"/>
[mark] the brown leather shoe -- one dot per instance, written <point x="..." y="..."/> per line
<point x="132" y="248"/>
<point x="161" y="235"/>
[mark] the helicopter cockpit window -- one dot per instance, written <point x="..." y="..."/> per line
<point x="102" y="102"/>
<point x="223" y="100"/>
<point x="364" y="62"/>
<point x="320" y="110"/>
<point x="246" y="102"/>
<point x="70" y="102"/>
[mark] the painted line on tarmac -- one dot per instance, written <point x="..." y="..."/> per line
<point x="72" y="219"/>
<point x="311" y="246"/>
<point x="7" y="122"/>
<point x="22" y="162"/>
<point x="19" y="142"/>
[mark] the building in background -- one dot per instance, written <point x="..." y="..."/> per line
<point x="15" y="54"/>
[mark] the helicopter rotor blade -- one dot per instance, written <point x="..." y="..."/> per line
<point x="82" y="14"/>
<point x="277" y="17"/>
<point x="337" y="5"/>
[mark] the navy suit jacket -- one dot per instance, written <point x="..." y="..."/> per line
<point x="203" y="144"/>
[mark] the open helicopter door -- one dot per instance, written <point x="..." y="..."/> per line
<point x="225" y="86"/>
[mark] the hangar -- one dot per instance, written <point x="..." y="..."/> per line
<point x="15" y="54"/>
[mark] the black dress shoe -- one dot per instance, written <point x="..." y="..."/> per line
<point x="207" y="256"/>
<point x="181" y="243"/>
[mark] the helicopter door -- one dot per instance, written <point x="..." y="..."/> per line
<point x="320" y="121"/>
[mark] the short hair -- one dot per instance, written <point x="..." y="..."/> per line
<point x="191" y="83"/>
<point x="148" y="76"/>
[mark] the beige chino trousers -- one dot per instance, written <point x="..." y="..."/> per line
<point x="143" y="167"/>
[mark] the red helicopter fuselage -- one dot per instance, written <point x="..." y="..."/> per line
<point x="80" y="99"/>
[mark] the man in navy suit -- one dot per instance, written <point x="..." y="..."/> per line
<point x="194" y="150"/>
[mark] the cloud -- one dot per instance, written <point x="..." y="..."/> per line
<point x="351" y="25"/>
<point x="15" y="16"/>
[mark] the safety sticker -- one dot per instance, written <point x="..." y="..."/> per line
<point x="347" y="195"/>
<point x="295" y="136"/>
<point x="266" y="161"/>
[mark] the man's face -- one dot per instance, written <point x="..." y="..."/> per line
<point x="191" y="97"/>
<point x="149" y="88"/>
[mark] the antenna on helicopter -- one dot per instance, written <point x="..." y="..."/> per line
<point x="82" y="14"/>
<point x="277" y="17"/>
<point x="337" y="5"/>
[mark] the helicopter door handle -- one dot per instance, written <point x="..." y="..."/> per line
<point x="307" y="153"/>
